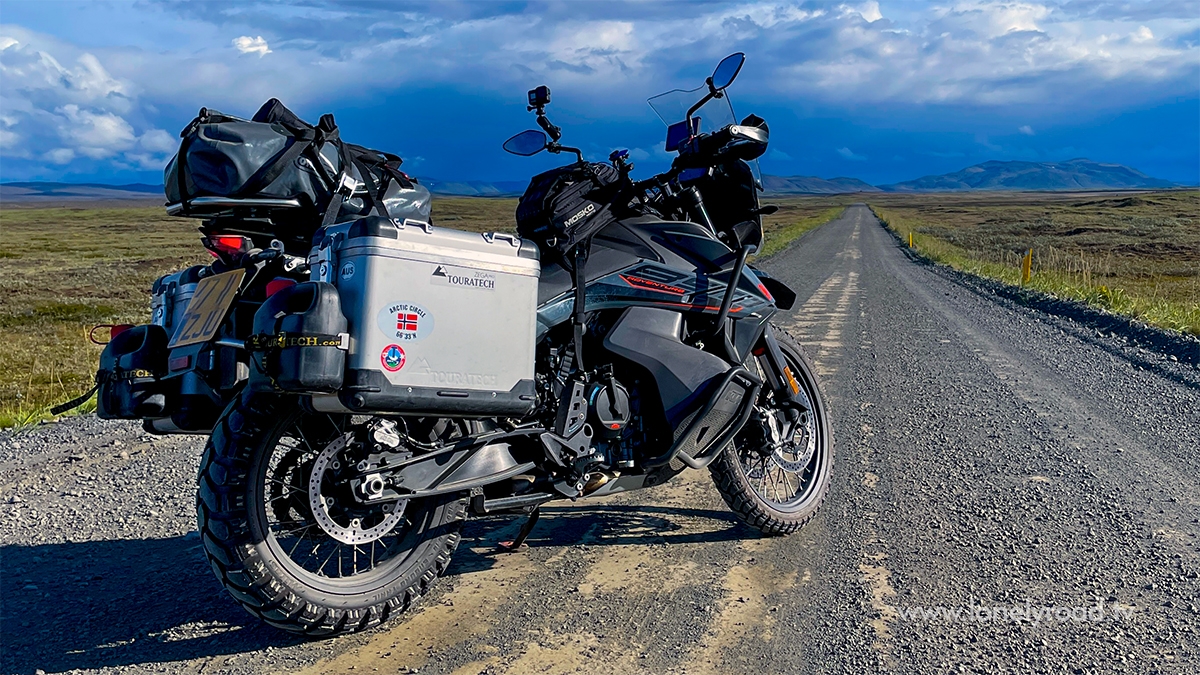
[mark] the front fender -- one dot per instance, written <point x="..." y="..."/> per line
<point x="785" y="297"/>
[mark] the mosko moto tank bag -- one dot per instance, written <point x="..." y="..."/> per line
<point x="564" y="207"/>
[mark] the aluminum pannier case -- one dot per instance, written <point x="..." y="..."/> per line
<point x="442" y="322"/>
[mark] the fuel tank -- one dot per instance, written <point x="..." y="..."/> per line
<point x="646" y="261"/>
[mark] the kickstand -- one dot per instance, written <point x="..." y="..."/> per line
<point x="522" y="534"/>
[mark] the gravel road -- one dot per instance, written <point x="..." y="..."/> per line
<point x="1028" y="482"/>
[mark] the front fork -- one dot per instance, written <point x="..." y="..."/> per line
<point x="780" y="378"/>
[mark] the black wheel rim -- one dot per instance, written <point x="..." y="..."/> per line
<point x="282" y="508"/>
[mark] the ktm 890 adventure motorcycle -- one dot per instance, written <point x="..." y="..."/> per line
<point x="368" y="380"/>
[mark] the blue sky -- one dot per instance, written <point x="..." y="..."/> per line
<point x="884" y="91"/>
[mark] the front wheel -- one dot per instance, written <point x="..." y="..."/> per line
<point x="776" y="472"/>
<point x="288" y="540"/>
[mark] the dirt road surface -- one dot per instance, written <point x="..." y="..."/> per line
<point x="1037" y="478"/>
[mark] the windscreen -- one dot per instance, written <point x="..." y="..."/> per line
<point x="672" y="106"/>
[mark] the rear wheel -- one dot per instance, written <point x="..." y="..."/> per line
<point x="289" y="541"/>
<point x="776" y="472"/>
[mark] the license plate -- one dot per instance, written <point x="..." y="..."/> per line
<point x="207" y="308"/>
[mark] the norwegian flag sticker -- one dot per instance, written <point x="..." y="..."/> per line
<point x="405" y="322"/>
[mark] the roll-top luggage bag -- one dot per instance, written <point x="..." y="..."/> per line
<point x="278" y="167"/>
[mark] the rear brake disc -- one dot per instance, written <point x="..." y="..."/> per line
<point x="347" y="524"/>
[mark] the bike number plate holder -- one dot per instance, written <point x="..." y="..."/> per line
<point x="207" y="309"/>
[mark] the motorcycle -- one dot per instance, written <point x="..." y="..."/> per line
<point x="365" y="396"/>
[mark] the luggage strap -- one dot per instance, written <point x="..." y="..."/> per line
<point x="265" y="342"/>
<point x="102" y="377"/>
<point x="346" y="185"/>
<point x="266" y="175"/>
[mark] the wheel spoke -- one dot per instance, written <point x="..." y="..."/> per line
<point x="313" y="541"/>
<point x="298" y="540"/>
<point x="775" y="474"/>
<point x="327" y="559"/>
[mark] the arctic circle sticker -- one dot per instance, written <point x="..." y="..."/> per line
<point x="392" y="358"/>
<point x="405" y="322"/>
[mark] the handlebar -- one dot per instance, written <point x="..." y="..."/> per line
<point x="734" y="141"/>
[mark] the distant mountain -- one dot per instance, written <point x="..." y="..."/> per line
<point x="44" y="191"/>
<point x="795" y="185"/>
<point x="474" y="188"/>
<point x="1075" y="174"/>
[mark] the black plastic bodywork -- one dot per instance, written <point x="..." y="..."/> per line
<point x="646" y="261"/>
<point x="652" y="338"/>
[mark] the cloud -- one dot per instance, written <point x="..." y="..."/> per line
<point x="1026" y="129"/>
<point x="157" y="140"/>
<point x="63" y="114"/>
<point x="969" y="52"/>
<point x="59" y="156"/>
<point x="869" y="11"/>
<point x="847" y="153"/>
<point x="95" y="135"/>
<point x="1013" y="59"/>
<point x="779" y="155"/>
<point x="251" y="45"/>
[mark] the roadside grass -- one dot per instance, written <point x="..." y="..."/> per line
<point x="67" y="269"/>
<point x="476" y="214"/>
<point x="1136" y="255"/>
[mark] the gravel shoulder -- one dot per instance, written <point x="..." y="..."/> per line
<point x="989" y="457"/>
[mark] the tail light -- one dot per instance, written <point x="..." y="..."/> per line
<point x="228" y="246"/>
<point x="276" y="285"/>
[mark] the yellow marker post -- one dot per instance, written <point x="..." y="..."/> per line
<point x="910" y="239"/>
<point x="1026" y="267"/>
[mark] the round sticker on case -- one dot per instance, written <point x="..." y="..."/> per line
<point x="405" y="322"/>
<point x="392" y="358"/>
<point x="347" y="270"/>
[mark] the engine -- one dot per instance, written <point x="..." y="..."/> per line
<point x="600" y="421"/>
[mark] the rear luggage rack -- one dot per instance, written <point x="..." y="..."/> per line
<point x="216" y="206"/>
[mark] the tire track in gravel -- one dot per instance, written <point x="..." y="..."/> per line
<point x="557" y="596"/>
<point x="820" y="325"/>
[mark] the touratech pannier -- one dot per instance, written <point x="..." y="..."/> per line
<point x="564" y="207"/>
<point x="300" y="340"/>
<point x="170" y="296"/>
<point x="130" y="375"/>
<point x="441" y="321"/>
<point x="280" y="171"/>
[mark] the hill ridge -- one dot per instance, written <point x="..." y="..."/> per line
<point x="1079" y="173"/>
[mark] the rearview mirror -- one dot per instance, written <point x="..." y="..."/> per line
<point x="526" y="143"/>
<point x="727" y="71"/>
